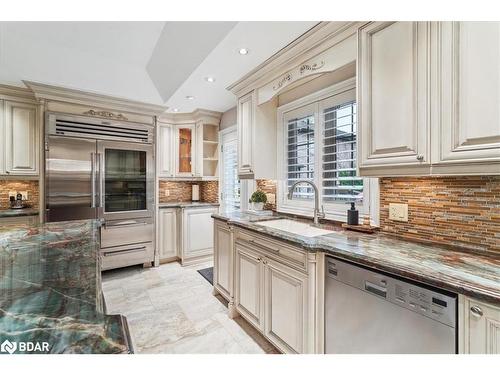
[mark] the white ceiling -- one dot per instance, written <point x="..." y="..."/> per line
<point x="153" y="62"/>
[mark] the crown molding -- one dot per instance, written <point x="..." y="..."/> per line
<point x="199" y="115"/>
<point x="318" y="39"/>
<point x="67" y="95"/>
<point x="16" y="93"/>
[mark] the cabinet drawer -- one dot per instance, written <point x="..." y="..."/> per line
<point x="122" y="256"/>
<point x="274" y="249"/>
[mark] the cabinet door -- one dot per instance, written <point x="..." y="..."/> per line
<point x="165" y="151"/>
<point x="21" y="139"/>
<point x="393" y="91"/>
<point x="246" y="112"/>
<point x="223" y="258"/>
<point x="167" y="233"/>
<point x="249" y="284"/>
<point x="469" y="75"/>
<point x="185" y="146"/>
<point x="285" y="295"/>
<point x="197" y="232"/>
<point x="482" y="328"/>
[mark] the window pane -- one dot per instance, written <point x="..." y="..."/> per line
<point x="340" y="182"/>
<point x="300" y="155"/>
<point x="232" y="188"/>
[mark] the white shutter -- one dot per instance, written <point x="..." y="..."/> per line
<point x="339" y="179"/>
<point x="231" y="183"/>
<point x="300" y="155"/>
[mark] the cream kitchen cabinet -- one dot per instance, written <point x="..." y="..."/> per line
<point x="393" y="94"/>
<point x="197" y="240"/>
<point x="467" y="120"/>
<point x="20" y="139"/>
<point x="271" y="291"/>
<point x="223" y="259"/>
<point x="256" y="130"/>
<point x="428" y="95"/>
<point x="285" y="306"/>
<point x="249" y="284"/>
<point x="167" y="234"/>
<point x="479" y="328"/>
<point x="165" y="150"/>
<point x="185" y="150"/>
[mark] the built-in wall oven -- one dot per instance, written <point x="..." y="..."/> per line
<point x="103" y="169"/>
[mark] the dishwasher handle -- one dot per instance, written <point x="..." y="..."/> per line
<point x="378" y="290"/>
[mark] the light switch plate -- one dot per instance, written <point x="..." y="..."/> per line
<point x="166" y="192"/>
<point x="24" y="194"/>
<point x="398" y="211"/>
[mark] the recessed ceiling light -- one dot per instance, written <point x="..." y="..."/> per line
<point x="243" y="51"/>
<point x="175" y="109"/>
<point x="210" y="79"/>
<point x="189" y="97"/>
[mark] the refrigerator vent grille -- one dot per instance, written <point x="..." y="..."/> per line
<point x="103" y="131"/>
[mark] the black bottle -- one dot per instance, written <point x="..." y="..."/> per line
<point x="352" y="215"/>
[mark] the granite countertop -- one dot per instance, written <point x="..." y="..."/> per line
<point x="50" y="289"/>
<point x="10" y="212"/>
<point x="471" y="273"/>
<point x="187" y="204"/>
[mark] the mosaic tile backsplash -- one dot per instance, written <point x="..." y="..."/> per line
<point x="460" y="211"/>
<point x="180" y="191"/>
<point x="19" y="185"/>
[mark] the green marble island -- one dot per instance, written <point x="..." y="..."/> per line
<point x="50" y="292"/>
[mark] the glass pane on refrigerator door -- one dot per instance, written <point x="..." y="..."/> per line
<point x="124" y="180"/>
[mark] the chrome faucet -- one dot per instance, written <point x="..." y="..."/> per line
<point x="317" y="213"/>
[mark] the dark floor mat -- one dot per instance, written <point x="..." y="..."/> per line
<point x="208" y="274"/>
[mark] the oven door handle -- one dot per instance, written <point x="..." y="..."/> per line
<point x="132" y="250"/>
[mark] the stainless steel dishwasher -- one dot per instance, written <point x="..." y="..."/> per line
<point x="369" y="312"/>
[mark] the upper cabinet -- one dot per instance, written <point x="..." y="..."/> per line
<point x="256" y="137"/>
<point x="19" y="145"/>
<point x="165" y="142"/>
<point x="393" y="87"/>
<point x="428" y="95"/>
<point x="467" y="118"/>
<point x="184" y="151"/>
<point x="188" y="145"/>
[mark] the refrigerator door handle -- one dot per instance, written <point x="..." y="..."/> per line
<point x="101" y="178"/>
<point x="92" y="179"/>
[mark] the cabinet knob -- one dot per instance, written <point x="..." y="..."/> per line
<point x="476" y="311"/>
<point x="7" y="172"/>
<point x="259" y="259"/>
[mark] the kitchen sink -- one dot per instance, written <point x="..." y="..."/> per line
<point x="296" y="227"/>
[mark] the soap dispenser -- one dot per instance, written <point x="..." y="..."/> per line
<point x="352" y="215"/>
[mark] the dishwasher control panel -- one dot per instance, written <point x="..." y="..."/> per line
<point x="425" y="301"/>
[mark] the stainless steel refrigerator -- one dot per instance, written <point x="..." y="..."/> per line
<point x="103" y="169"/>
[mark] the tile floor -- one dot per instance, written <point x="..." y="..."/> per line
<point x="171" y="309"/>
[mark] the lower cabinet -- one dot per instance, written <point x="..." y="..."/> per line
<point x="249" y="283"/>
<point x="28" y="220"/>
<point x="167" y="234"/>
<point x="479" y="327"/>
<point x="285" y="294"/>
<point x="223" y="258"/>
<point x="197" y="241"/>
<point x="273" y="297"/>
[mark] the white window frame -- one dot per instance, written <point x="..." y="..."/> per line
<point x="245" y="185"/>
<point x="315" y="104"/>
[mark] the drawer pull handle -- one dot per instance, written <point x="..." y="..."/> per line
<point x="476" y="311"/>
<point x="133" y="250"/>
<point x="420" y="157"/>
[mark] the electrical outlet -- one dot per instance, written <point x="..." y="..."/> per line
<point x="25" y="195"/>
<point x="398" y="211"/>
<point x="166" y="192"/>
<point x="12" y="194"/>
